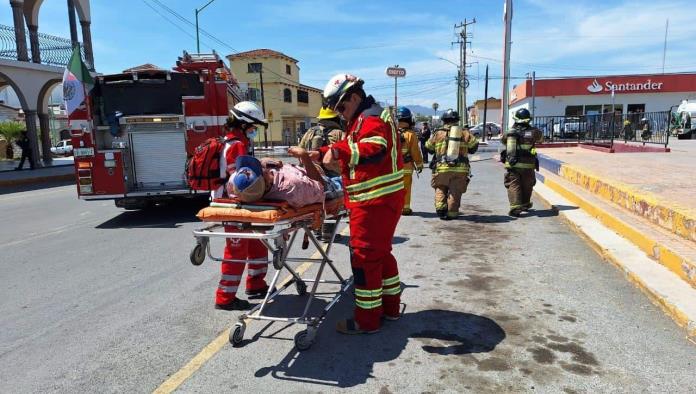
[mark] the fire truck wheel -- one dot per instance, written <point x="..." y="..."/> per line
<point x="197" y="255"/>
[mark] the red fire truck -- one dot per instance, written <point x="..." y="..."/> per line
<point x="134" y="136"/>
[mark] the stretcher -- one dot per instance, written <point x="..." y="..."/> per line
<point x="277" y="226"/>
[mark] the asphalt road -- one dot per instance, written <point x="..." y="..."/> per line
<point x="96" y="299"/>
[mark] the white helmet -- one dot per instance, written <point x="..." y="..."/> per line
<point x="249" y="112"/>
<point x="337" y="87"/>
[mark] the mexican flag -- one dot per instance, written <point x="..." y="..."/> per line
<point x="76" y="82"/>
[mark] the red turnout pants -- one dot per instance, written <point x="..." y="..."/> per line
<point x="241" y="249"/>
<point x="375" y="271"/>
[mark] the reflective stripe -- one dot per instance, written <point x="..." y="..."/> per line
<point x="374" y="182"/>
<point x="228" y="289"/>
<point x="255" y="272"/>
<point x="368" y="304"/>
<point x="391" y="281"/>
<point x="525" y="166"/>
<point x="375" y="140"/>
<point x="354" y="154"/>
<point x="408" y="171"/>
<point x="377" y="192"/>
<point x="386" y="116"/>
<point x="526" y="146"/>
<point x="446" y="168"/>
<point x="392" y="291"/>
<point x="231" y="278"/>
<point x="368" y="293"/>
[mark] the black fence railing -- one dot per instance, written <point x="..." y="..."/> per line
<point x="604" y="129"/>
<point x="53" y="50"/>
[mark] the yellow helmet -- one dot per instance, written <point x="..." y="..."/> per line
<point x="327" y="113"/>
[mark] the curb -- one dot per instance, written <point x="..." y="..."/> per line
<point x="37" y="180"/>
<point x="682" y="267"/>
<point x="677" y="220"/>
<point x="671" y="306"/>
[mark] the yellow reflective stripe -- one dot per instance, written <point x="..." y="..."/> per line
<point x="368" y="293"/>
<point x="391" y="281"/>
<point x="526" y="146"/>
<point x="521" y="165"/>
<point x="354" y="154"/>
<point x="392" y="291"/>
<point x="368" y="304"/>
<point x="375" y="140"/>
<point x="446" y="168"/>
<point x="374" y="181"/>
<point x="386" y="116"/>
<point x="376" y="193"/>
<point x="407" y="171"/>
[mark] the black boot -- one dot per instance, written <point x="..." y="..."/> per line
<point x="442" y="214"/>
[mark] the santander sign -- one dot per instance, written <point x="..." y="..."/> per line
<point x="608" y="86"/>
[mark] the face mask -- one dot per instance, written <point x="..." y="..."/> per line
<point x="251" y="134"/>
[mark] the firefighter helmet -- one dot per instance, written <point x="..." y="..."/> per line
<point x="403" y="114"/>
<point x="337" y="87"/>
<point x="248" y="112"/>
<point x="522" y="115"/>
<point x="327" y="113"/>
<point x="450" y="116"/>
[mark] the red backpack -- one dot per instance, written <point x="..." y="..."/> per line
<point x="203" y="168"/>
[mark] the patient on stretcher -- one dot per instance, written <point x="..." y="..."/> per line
<point x="270" y="179"/>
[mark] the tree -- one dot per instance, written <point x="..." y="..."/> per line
<point x="11" y="129"/>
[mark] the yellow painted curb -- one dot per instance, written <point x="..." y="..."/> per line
<point x="685" y="269"/>
<point x="680" y="221"/>
<point x="668" y="308"/>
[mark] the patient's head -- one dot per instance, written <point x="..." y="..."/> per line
<point x="248" y="182"/>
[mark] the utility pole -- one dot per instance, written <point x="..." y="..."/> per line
<point x="198" y="10"/>
<point x="507" y="38"/>
<point x="485" y="107"/>
<point x="533" y="92"/>
<point x="462" y="82"/>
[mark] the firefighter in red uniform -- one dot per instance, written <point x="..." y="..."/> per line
<point x="372" y="172"/>
<point x="242" y="123"/>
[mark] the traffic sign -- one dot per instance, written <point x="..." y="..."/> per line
<point x="396" y="72"/>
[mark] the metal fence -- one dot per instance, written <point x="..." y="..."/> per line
<point x="55" y="51"/>
<point x="604" y="129"/>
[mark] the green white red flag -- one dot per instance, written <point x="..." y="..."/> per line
<point x="77" y="81"/>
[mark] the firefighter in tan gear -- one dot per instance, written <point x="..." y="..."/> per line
<point x="450" y="146"/>
<point x="410" y="151"/>
<point x="520" y="161"/>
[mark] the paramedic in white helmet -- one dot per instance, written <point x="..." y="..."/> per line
<point x="244" y="119"/>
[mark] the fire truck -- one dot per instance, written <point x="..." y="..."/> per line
<point x="133" y="137"/>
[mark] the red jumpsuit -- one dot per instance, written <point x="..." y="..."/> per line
<point x="372" y="172"/>
<point x="239" y="249"/>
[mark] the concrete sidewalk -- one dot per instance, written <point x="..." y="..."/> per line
<point x="61" y="169"/>
<point x="656" y="186"/>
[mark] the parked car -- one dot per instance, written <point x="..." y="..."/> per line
<point x="492" y="129"/>
<point x="570" y="127"/>
<point x="63" y="147"/>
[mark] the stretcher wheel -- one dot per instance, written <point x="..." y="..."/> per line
<point x="301" y="288"/>
<point x="277" y="256"/>
<point x="305" y="339"/>
<point x="237" y="334"/>
<point x="197" y="255"/>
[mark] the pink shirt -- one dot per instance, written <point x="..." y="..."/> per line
<point x="291" y="184"/>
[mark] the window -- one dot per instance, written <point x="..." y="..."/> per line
<point x="254" y="94"/>
<point x="593" y="109"/>
<point x="302" y="96"/>
<point x="636" y="108"/>
<point x="287" y="95"/>
<point x="573" y="110"/>
<point x="254" y="67"/>
<point x="288" y="69"/>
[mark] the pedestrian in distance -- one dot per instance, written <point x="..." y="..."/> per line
<point x="410" y="152"/>
<point x="423" y="138"/>
<point x="242" y="125"/>
<point x="27" y="153"/>
<point x="520" y="161"/>
<point x="372" y="172"/>
<point x="451" y="146"/>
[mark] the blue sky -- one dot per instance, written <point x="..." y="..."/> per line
<point x="553" y="38"/>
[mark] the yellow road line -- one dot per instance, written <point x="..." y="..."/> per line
<point x="178" y="378"/>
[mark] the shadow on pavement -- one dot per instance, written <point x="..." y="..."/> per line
<point x="161" y="216"/>
<point x="425" y="215"/>
<point x="36" y="186"/>
<point x="347" y="361"/>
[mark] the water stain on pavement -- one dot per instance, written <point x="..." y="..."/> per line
<point x="493" y="364"/>
<point x="542" y="355"/>
<point x="485" y="283"/>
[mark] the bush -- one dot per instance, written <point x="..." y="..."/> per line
<point x="11" y="129"/>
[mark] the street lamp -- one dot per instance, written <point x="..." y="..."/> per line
<point x="198" y="10"/>
<point x="459" y="82"/>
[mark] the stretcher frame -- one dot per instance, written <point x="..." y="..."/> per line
<point x="279" y="237"/>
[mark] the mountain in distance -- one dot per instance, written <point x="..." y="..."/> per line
<point x="421" y="110"/>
